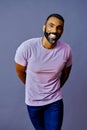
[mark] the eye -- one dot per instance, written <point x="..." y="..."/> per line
<point x="51" y="25"/>
<point x="60" y="27"/>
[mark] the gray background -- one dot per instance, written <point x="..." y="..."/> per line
<point x="23" y="19"/>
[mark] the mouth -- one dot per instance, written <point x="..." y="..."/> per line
<point x="53" y="36"/>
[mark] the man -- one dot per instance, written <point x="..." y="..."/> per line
<point x="43" y="65"/>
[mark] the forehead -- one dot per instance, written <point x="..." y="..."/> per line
<point x="55" y="21"/>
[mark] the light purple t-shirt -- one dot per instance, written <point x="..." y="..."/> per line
<point x="44" y="68"/>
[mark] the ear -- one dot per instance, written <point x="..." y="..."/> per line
<point x="43" y="28"/>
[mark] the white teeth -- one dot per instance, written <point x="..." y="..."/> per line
<point x="52" y="36"/>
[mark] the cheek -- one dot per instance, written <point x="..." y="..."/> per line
<point x="60" y="32"/>
<point x="47" y="29"/>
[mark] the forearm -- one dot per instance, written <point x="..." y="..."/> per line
<point x="21" y="76"/>
<point x="21" y="72"/>
<point x="63" y="79"/>
<point x="64" y="75"/>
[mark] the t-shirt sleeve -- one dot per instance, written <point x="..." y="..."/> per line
<point x="69" y="60"/>
<point x="22" y="54"/>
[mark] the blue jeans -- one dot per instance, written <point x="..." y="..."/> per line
<point x="47" y="117"/>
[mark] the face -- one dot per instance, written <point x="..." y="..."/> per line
<point x="53" y="29"/>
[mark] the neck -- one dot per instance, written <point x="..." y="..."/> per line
<point x="46" y="44"/>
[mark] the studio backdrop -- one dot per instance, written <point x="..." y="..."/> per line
<point x="23" y="19"/>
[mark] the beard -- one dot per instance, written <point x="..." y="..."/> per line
<point x="52" y="40"/>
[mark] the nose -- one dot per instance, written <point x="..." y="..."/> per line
<point x="54" y="30"/>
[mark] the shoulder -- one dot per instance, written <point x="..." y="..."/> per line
<point x="66" y="49"/>
<point x="29" y="43"/>
<point x="64" y="45"/>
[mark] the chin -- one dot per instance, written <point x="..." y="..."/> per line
<point x="52" y="41"/>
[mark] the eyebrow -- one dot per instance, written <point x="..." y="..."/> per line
<point x="55" y="25"/>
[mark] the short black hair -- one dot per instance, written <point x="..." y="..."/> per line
<point x="55" y="15"/>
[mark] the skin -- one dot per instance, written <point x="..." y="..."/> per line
<point x="20" y="70"/>
<point x="54" y="25"/>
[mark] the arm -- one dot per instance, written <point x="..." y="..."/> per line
<point x="65" y="75"/>
<point x="20" y="70"/>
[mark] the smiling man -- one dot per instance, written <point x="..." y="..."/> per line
<point x="43" y="65"/>
<point x="53" y="29"/>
